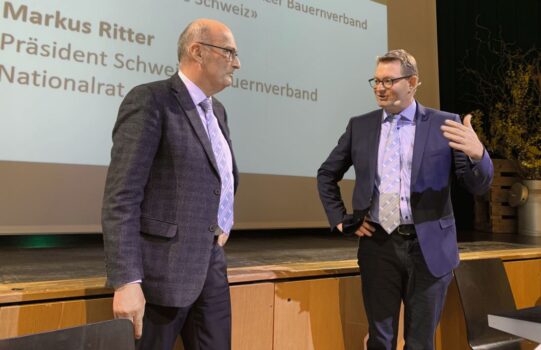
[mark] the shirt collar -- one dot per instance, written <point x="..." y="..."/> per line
<point x="407" y="114"/>
<point x="195" y="92"/>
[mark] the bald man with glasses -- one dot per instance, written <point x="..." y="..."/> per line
<point x="168" y="203"/>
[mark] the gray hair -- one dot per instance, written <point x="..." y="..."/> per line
<point x="408" y="64"/>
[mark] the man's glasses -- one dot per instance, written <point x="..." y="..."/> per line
<point x="387" y="82"/>
<point x="230" y="53"/>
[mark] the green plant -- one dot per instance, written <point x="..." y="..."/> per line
<point x="509" y="93"/>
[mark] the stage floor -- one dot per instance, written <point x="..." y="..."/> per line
<point x="244" y="250"/>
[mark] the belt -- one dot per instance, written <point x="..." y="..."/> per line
<point x="402" y="230"/>
<point x="405" y="230"/>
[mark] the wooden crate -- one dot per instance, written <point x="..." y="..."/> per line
<point x="492" y="211"/>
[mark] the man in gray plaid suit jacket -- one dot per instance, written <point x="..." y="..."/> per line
<point x="163" y="245"/>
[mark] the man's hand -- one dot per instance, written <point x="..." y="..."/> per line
<point x="129" y="302"/>
<point x="222" y="239"/>
<point x="463" y="138"/>
<point x="365" y="229"/>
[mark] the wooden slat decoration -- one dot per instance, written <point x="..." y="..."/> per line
<point x="497" y="210"/>
<point x="492" y="211"/>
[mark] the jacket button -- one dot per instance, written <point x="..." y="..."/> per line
<point x="217" y="192"/>
<point x="212" y="228"/>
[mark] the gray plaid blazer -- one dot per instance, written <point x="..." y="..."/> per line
<point x="161" y="194"/>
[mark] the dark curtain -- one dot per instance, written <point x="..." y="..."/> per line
<point x="463" y="26"/>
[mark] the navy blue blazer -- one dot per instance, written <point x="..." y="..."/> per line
<point x="433" y="165"/>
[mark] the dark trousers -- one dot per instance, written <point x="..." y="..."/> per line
<point x="393" y="270"/>
<point x="204" y="325"/>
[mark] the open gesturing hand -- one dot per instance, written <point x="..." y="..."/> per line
<point x="462" y="137"/>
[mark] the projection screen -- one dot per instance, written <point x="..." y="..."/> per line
<point x="66" y="65"/>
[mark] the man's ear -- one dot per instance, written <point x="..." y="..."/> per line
<point x="195" y="52"/>
<point x="413" y="82"/>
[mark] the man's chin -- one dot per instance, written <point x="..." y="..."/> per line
<point x="228" y="81"/>
<point x="383" y="104"/>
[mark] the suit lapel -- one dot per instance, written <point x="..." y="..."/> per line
<point x="372" y="142"/>
<point x="185" y="101"/>
<point x="422" y="129"/>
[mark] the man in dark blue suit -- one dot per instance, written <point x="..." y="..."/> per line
<point x="168" y="203"/>
<point x="404" y="155"/>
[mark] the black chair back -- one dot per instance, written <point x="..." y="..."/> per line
<point x="107" y="335"/>
<point x="484" y="289"/>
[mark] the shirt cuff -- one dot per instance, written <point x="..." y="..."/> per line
<point x="125" y="284"/>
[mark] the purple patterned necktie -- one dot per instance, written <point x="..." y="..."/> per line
<point x="223" y="160"/>
<point x="389" y="188"/>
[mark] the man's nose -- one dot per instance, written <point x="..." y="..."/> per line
<point x="236" y="62"/>
<point x="379" y="87"/>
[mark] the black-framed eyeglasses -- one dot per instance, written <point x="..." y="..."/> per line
<point x="387" y="82"/>
<point x="230" y="53"/>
